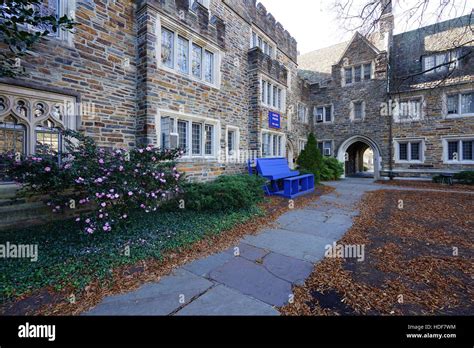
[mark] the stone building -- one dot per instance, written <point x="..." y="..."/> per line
<point x="222" y="79"/>
<point x="408" y="99"/>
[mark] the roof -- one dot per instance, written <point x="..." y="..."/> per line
<point x="316" y="66"/>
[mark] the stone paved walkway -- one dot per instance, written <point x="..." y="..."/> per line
<point x="257" y="275"/>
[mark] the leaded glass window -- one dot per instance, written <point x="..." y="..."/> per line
<point x="209" y="66"/>
<point x="197" y="61"/>
<point x="209" y="139"/>
<point x="183" y="135"/>
<point x="183" y="54"/>
<point x="196" y="138"/>
<point x="12" y="136"/>
<point x="167" y="47"/>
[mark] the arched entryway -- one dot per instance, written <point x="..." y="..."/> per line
<point x="290" y="154"/>
<point x="361" y="157"/>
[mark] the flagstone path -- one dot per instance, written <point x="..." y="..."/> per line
<point x="256" y="275"/>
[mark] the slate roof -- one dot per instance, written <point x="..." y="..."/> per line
<point x="316" y="66"/>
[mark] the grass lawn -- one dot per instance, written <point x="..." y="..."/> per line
<point x="418" y="260"/>
<point x="68" y="258"/>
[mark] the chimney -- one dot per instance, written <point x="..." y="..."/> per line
<point x="386" y="23"/>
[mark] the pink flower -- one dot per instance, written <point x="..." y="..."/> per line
<point x="47" y="169"/>
<point x="90" y="230"/>
<point x="103" y="204"/>
<point x="130" y="193"/>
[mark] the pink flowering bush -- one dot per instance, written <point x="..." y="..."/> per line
<point x="111" y="183"/>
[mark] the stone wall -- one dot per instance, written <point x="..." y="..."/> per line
<point x="92" y="67"/>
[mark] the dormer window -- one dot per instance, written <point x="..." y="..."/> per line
<point x="440" y="62"/>
<point x="358" y="73"/>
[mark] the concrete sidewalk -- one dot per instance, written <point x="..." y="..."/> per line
<point x="256" y="275"/>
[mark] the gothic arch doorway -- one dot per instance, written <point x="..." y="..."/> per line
<point x="361" y="157"/>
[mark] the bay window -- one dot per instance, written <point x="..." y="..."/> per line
<point x="271" y="95"/>
<point x="189" y="56"/>
<point x="264" y="43"/>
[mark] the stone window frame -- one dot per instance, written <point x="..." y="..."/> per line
<point x="264" y="93"/>
<point x="352" y="115"/>
<point x="179" y="31"/>
<point x="324" y="106"/>
<point x="324" y="142"/>
<point x="68" y="106"/>
<point x="236" y="140"/>
<point x="396" y="111"/>
<point x="257" y="33"/>
<point x="362" y="67"/>
<point x="409" y="141"/>
<point x="282" y="143"/>
<point x="458" y="93"/>
<point x="304" y="107"/>
<point x="190" y="119"/>
<point x="459" y="139"/>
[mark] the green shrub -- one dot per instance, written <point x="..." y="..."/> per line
<point x="112" y="183"/>
<point x="331" y="169"/>
<point x="310" y="160"/>
<point x="466" y="177"/>
<point x="227" y="193"/>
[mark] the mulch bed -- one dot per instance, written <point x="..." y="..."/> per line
<point x="427" y="184"/>
<point x="410" y="267"/>
<point x="49" y="302"/>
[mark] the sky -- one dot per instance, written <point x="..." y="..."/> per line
<point x="314" y="23"/>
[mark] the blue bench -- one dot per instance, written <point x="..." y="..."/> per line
<point x="283" y="181"/>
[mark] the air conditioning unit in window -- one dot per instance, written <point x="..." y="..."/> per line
<point x="327" y="152"/>
<point x="174" y="140"/>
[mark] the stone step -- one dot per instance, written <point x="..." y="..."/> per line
<point x="12" y="201"/>
<point x="8" y="191"/>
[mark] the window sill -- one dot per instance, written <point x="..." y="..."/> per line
<point x="409" y="162"/>
<point x="458" y="116"/>
<point x="459" y="162"/>
<point x="193" y="159"/>
<point x="271" y="108"/>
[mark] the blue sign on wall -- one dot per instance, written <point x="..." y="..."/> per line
<point x="274" y="120"/>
